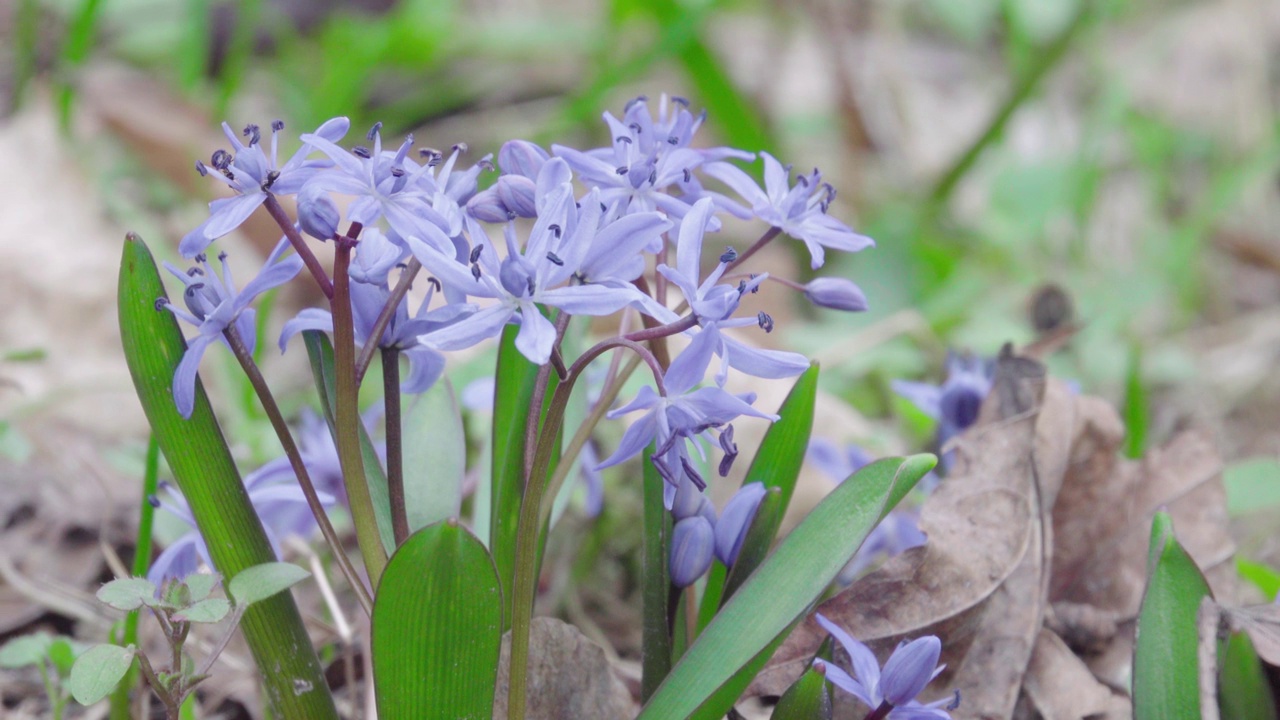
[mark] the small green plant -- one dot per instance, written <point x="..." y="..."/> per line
<point x="52" y="655"/>
<point x="177" y="605"/>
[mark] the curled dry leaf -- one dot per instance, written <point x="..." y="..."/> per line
<point x="1039" y="509"/>
<point x="569" y="677"/>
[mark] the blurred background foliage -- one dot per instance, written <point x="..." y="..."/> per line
<point x="1096" y="174"/>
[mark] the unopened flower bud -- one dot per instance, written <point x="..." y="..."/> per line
<point x="317" y="212"/>
<point x="688" y="500"/>
<point x="736" y="519"/>
<point x="486" y="206"/>
<point x="909" y="669"/>
<point x="521" y="157"/>
<point x="691" y="548"/>
<point x="836" y="293"/>
<point x="518" y="194"/>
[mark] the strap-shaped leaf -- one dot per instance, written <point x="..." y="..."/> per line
<point x="1166" y="666"/>
<point x="782" y="589"/>
<point x="655" y="578"/>
<point x="205" y="472"/>
<point x="435" y="456"/>
<point x="437" y="628"/>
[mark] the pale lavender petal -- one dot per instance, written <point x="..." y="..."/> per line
<point x="425" y="367"/>
<point x="910" y="669"/>
<point x="865" y="665"/>
<point x="307" y="319"/>
<point x="689" y="246"/>
<point x="184" y="378"/>
<point x="589" y="299"/>
<point x="537" y="335"/>
<point x="486" y="323"/>
<point x="842" y="680"/>
<point x="689" y="367"/>
<point x="923" y="395"/>
<point x="634" y="440"/>
<point x="179" y="560"/>
<point x="762" y="363"/>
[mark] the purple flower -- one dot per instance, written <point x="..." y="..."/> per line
<point x="736" y="520"/>
<point x="252" y="173"/>
<point x="528" y="277"/>
<point x="691" y="546"/>
<point x="911" y="667"/>
<point x="799" y="211"/>
<point x="954" y="404"/>
<point x="836" y="294"/>
<point x="714" y="305"/>
<point x="282" y="509"/>
<point x="215" y="306"/>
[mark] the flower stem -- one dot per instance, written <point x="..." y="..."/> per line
<point x="347" y="412"/>
<point x="299" y="467"/>
<point x="299" y="244"/>
<point x="535" y="405"/>
<point x="395" y="451"/>
<point x="764" y="239"/>
<point x="384" y="317"/>
<point x="881" y="712"/>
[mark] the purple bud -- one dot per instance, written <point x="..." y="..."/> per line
<point x="521" y="157"/>
<point x="688" y="500"/>
<point x="486" y="206"/>
<point x="691" y="548"/>
<point x="736" y="519"/>
<point x="909" y="669"/>
<point x="836" y="293"/>
<point x="317" y="212"/>
<point x="518" y="194"/>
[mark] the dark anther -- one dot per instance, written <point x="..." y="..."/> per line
<point x="361" y="151"/>
<point x="729" y="255"/>
<point x="397" y="171"/>
<point x="635" y="128"/>
<point x="402" y="266"/>
<point x="433" y="282"/>
<point x="692" y="474"/>
<point x="680" y="101"/>
<point x="555" y="229"/>
<point x="623" y="139"/>
<point x="201" y="258"/>
<point x="253" y="132"/>
<point x="730" y="449"/>
<point x="673" y="140"/>
<point x="475" y="271"/>
<point x="766" y="322"/>
<point x="555" y="259"/>
<point x="954" y="703"/>
<point x="633" y="101"/>
<point x="801" y="179"/>
<point x="653" y="176"/>
<point x="529" y="284"/>
<point x="603" y="208"/>
<point x="663" y="470"/>
<point x="222" y="256"/>
<point x="475" y="253"/>
<point x="221" y="159"/>
<point x="194" y="271"/>
<point x="200" y="168"/>
<point x="742" y="287"/>
<point x="277" y="125"/>
<point x="161" y="303"/>
<point x="432" y="156"/>
<point x="461" y="148"/>
<point x="193" y="288"/>
<point x="271" y="179"/>
<point x="486" y="164"/>
<point x="702" y="116"/>
<point x="688" y="175"/>
<point x="373" y="131"/>
<point x="622" y="170"/>
<point x="153" y="501"/>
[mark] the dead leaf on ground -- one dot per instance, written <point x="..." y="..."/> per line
<point x="569" y="677"/>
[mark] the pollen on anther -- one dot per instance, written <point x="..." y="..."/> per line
<point x="373" y="131"/>
<point x="161" y="303"/>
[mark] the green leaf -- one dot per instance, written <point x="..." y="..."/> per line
<point x="807" y="699"/>
<point x="201" y="584"/>
<point x="63" y="653"/>
<point x="320" y="352"/>
<point x="1243" y="690"/>
<point x="437" y="628"/>
<point x="435" y="457"/>
<point x="260" y="582"/>
<point x="97" y="671"/>
<point x="782" y="589"/>
<point x="1136" y="410"/>
<point x="1166" y="668"/>
<point x="1252" y="485"/>
<point x="1264" y="577"/>
<point x="25" y="650"/>
<point x="655" y="582"/>
<point x="209" y="610"/>
<point x="293" y="684"/>
<point x="128" y="593"/>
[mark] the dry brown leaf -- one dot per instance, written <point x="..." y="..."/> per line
<point x="1059" y="685"/>
<point x="1262" y="623"/>
<point x="569" y="677"/>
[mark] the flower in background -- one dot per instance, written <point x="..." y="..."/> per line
<point x="215" y="306"/>
<point x="955" y="403"/>
<point x="911" y="667"/>
<point x="799" y="211"/>
<point x="252" y="174"/>
<point x="281" y="507"/>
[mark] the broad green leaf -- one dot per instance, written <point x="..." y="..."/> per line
<point x="201" y="584"/>
<point x="783" y="588"/>
<point x="260" y="582"/>
<point x="209" y="610"/>
<point x="514" y="381"/>
<point x="1243" y="690"/>
<point x="655" y="580"/>
<point x="435" y="456"/>
<point x="807" y="699"/>
<point x="1264" y="577"/>
<point x="320" y="352"/>
<point x="25" y="650"/>
<point x="437" y="628"/>
<point x="1136" y="410"/>
<point x="128" y="593"/>
<point x="1252" y="485"/>
<point x="204" y="470"/>
<point x="63" y="653"/>
<point x="97" y="671"/>
<point x="1166" y="666"/>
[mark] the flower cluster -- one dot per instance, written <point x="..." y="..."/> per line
<point x="955" y="403"/>
<point x="559" y="233"/>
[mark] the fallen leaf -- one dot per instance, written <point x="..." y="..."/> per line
<point x="1060" y="686"/>
<point x="569" y="677"/>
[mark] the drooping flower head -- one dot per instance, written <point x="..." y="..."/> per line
<point x="955" y="403"/>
